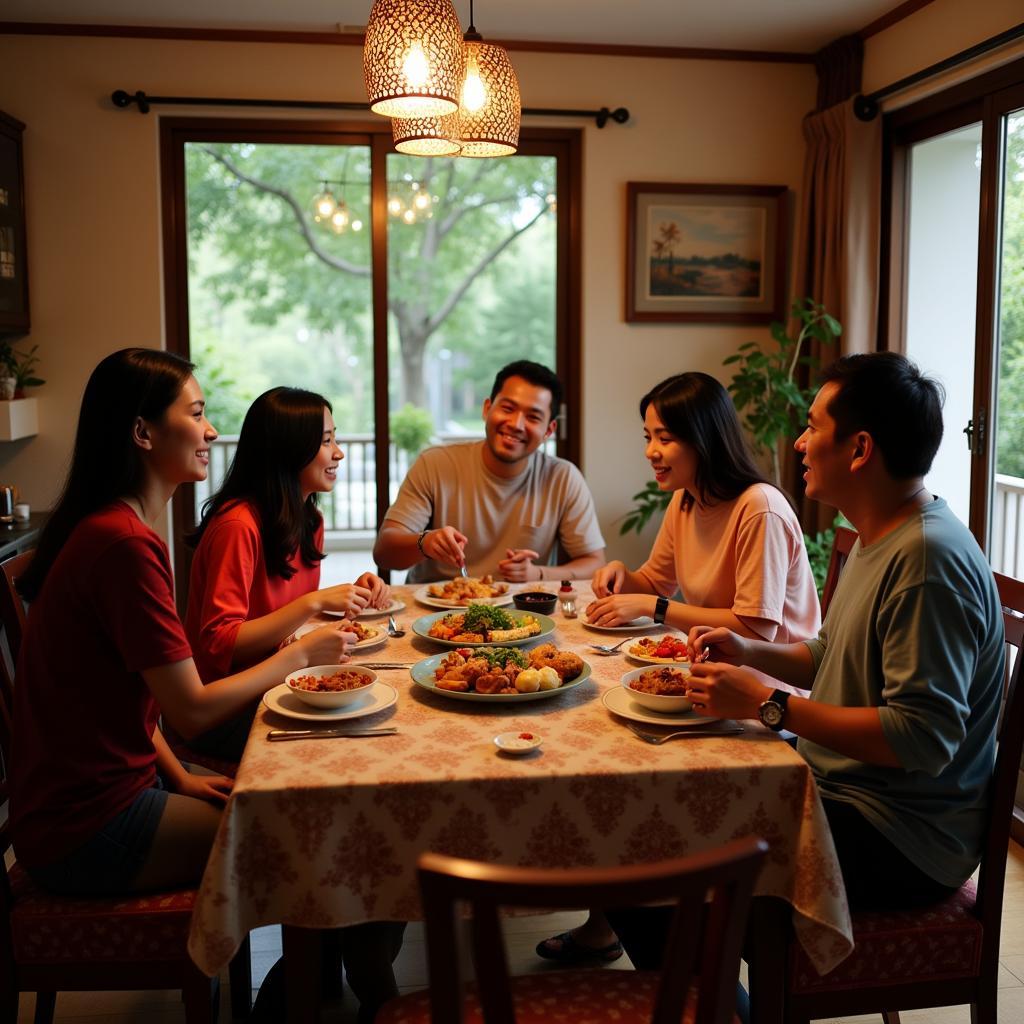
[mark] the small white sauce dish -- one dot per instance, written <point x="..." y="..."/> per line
<point x="514" y="743"/>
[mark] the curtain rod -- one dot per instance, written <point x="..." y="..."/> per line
<point x="123" y="98"/>
<point x="866" y="107"/>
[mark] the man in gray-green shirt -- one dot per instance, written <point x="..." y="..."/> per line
<point x="499" y="505"/>
<point x="906" y="674"/>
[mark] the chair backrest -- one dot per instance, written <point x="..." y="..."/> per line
<point x="12" y="608"/>
<point x="711" y="891"/>
<point x="992" y="875"/>
<point x="841" y="548"/>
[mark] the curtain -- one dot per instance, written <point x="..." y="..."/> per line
<point x="837" y="245"/>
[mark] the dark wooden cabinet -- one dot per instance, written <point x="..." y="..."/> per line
<point x="14" y="310"/>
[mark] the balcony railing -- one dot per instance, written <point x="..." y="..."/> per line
<point x="1007" y="543"/>
<point x="351" y="508"/>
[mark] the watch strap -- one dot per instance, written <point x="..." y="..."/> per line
<point x="660" y="610"/>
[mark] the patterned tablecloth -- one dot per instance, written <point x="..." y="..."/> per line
<point x="321" y="833"/>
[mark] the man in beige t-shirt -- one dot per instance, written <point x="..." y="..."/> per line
<point x="498" y="505"/>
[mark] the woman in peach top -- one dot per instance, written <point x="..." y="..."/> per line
<point x="730" y="552"/>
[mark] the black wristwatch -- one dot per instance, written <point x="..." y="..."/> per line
<point x="660" y="610"/>
<point x="419" y="541"/>
<point x="773" y="711"/>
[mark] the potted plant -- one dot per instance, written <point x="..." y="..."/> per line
<point x="23" y="366"/>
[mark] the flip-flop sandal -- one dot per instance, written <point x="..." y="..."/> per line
<point x="572" y="952"/>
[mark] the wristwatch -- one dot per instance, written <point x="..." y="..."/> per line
<point x="660" y="610"/>
<point x="773" y="711"/>
<point x="419" y="541"/>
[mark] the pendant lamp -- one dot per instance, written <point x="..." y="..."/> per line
<point x="427" y="136"/>
<point x="413" y="58"/>
<point x="489" y="105"/>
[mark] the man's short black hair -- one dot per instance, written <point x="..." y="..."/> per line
<point x="533" y="373"/>
<point x="886" y="395"/>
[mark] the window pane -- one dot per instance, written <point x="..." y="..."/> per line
<point x="472" y="280"/>
<point x="280" y="294"/>
<point x="1007" y="547"/>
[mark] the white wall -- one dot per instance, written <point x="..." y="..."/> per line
<point x="94" y="220"/>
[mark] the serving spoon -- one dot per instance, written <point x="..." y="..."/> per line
<point x="393" y="629"/>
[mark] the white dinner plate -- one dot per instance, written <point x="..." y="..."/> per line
<point x="616" y="699"/>
<point x="362" y="645"/>
<point x="421" y="627"/>
<point x="423" y="675"/>
<point x="424" y="597"/>
<point x="645" y="659"/>
<point x="371" y="613"/>
<point x="636" y="626"/>
<point x="282" y="701"/>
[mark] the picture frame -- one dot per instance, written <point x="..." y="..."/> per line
<point x="14" y="305"/>
<point x="705" y="253"/>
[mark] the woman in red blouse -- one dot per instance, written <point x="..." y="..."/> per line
<point x="256" y="573"/>
<point x="99" y="804"/>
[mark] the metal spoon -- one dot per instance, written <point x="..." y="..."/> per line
<point x="393" y="629"/>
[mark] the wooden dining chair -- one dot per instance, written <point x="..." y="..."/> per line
<point x="51" y="943"/>
<point x="711" y="892"/>
<point x="842" y="545"/>
<point x="946" y="954"/>
<point x="12" y="608"/>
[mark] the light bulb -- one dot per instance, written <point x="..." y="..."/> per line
<point x="357" y="225"/>
<point x="395" y="206"/>
<point x="409" y="216"/>
<point x="415" y="66"/>
<point x="339" y="220"/>
<point x="421" y="200"/>
<point x="474" y="95"/>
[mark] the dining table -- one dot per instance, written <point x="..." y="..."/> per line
<point x="320" y="833"/>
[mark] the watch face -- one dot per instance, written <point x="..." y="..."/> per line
<point x="771" y="713"/>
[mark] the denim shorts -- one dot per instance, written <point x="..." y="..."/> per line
<point x="105" y="864"/>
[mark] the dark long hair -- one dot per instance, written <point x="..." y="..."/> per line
<point x="281" y="434"/>
<point x="695" y="408"/>
<point x="106" y="463"/>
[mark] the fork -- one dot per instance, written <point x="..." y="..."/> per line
<point x="605" y="649"/>
<point x="462" y="571"/>
<point x="657" y="740"/>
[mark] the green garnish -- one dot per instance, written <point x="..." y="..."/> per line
<point x="500" y="657"/>
<point x="486" y="615"/>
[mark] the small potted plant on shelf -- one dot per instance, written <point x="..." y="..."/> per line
<point x="21" y="367"/>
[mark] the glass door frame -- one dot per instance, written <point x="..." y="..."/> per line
<point x="985" y="100"/>
<point x="565" y="144"/>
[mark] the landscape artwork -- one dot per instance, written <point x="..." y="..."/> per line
<point x="705" y="253"/>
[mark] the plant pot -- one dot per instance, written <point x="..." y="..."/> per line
<point x="8" y="385"/>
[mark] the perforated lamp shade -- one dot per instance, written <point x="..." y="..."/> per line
<point x="427" y="136"/>
<point x="413" y="58"/>
<point x="490" y="129"/>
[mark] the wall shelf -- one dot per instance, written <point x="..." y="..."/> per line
<point x="18" y="418"/>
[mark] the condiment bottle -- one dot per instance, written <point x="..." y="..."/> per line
<point x="567" y="599"/>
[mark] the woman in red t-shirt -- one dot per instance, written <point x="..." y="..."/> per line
<point x="256" y="573"/>
<point x="99" y="804"/>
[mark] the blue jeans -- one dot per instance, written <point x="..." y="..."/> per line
<point x="106" y="863"/>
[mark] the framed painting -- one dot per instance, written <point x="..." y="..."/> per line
<point x="14" y="318"/>
<point x="705" y="253"/>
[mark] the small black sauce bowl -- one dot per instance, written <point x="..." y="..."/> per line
<point x="535" y="601"/>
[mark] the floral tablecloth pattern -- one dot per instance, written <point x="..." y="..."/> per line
<point x="326" y="832"/>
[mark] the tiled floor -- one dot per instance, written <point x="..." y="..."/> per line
<point x="522" y="935"/>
